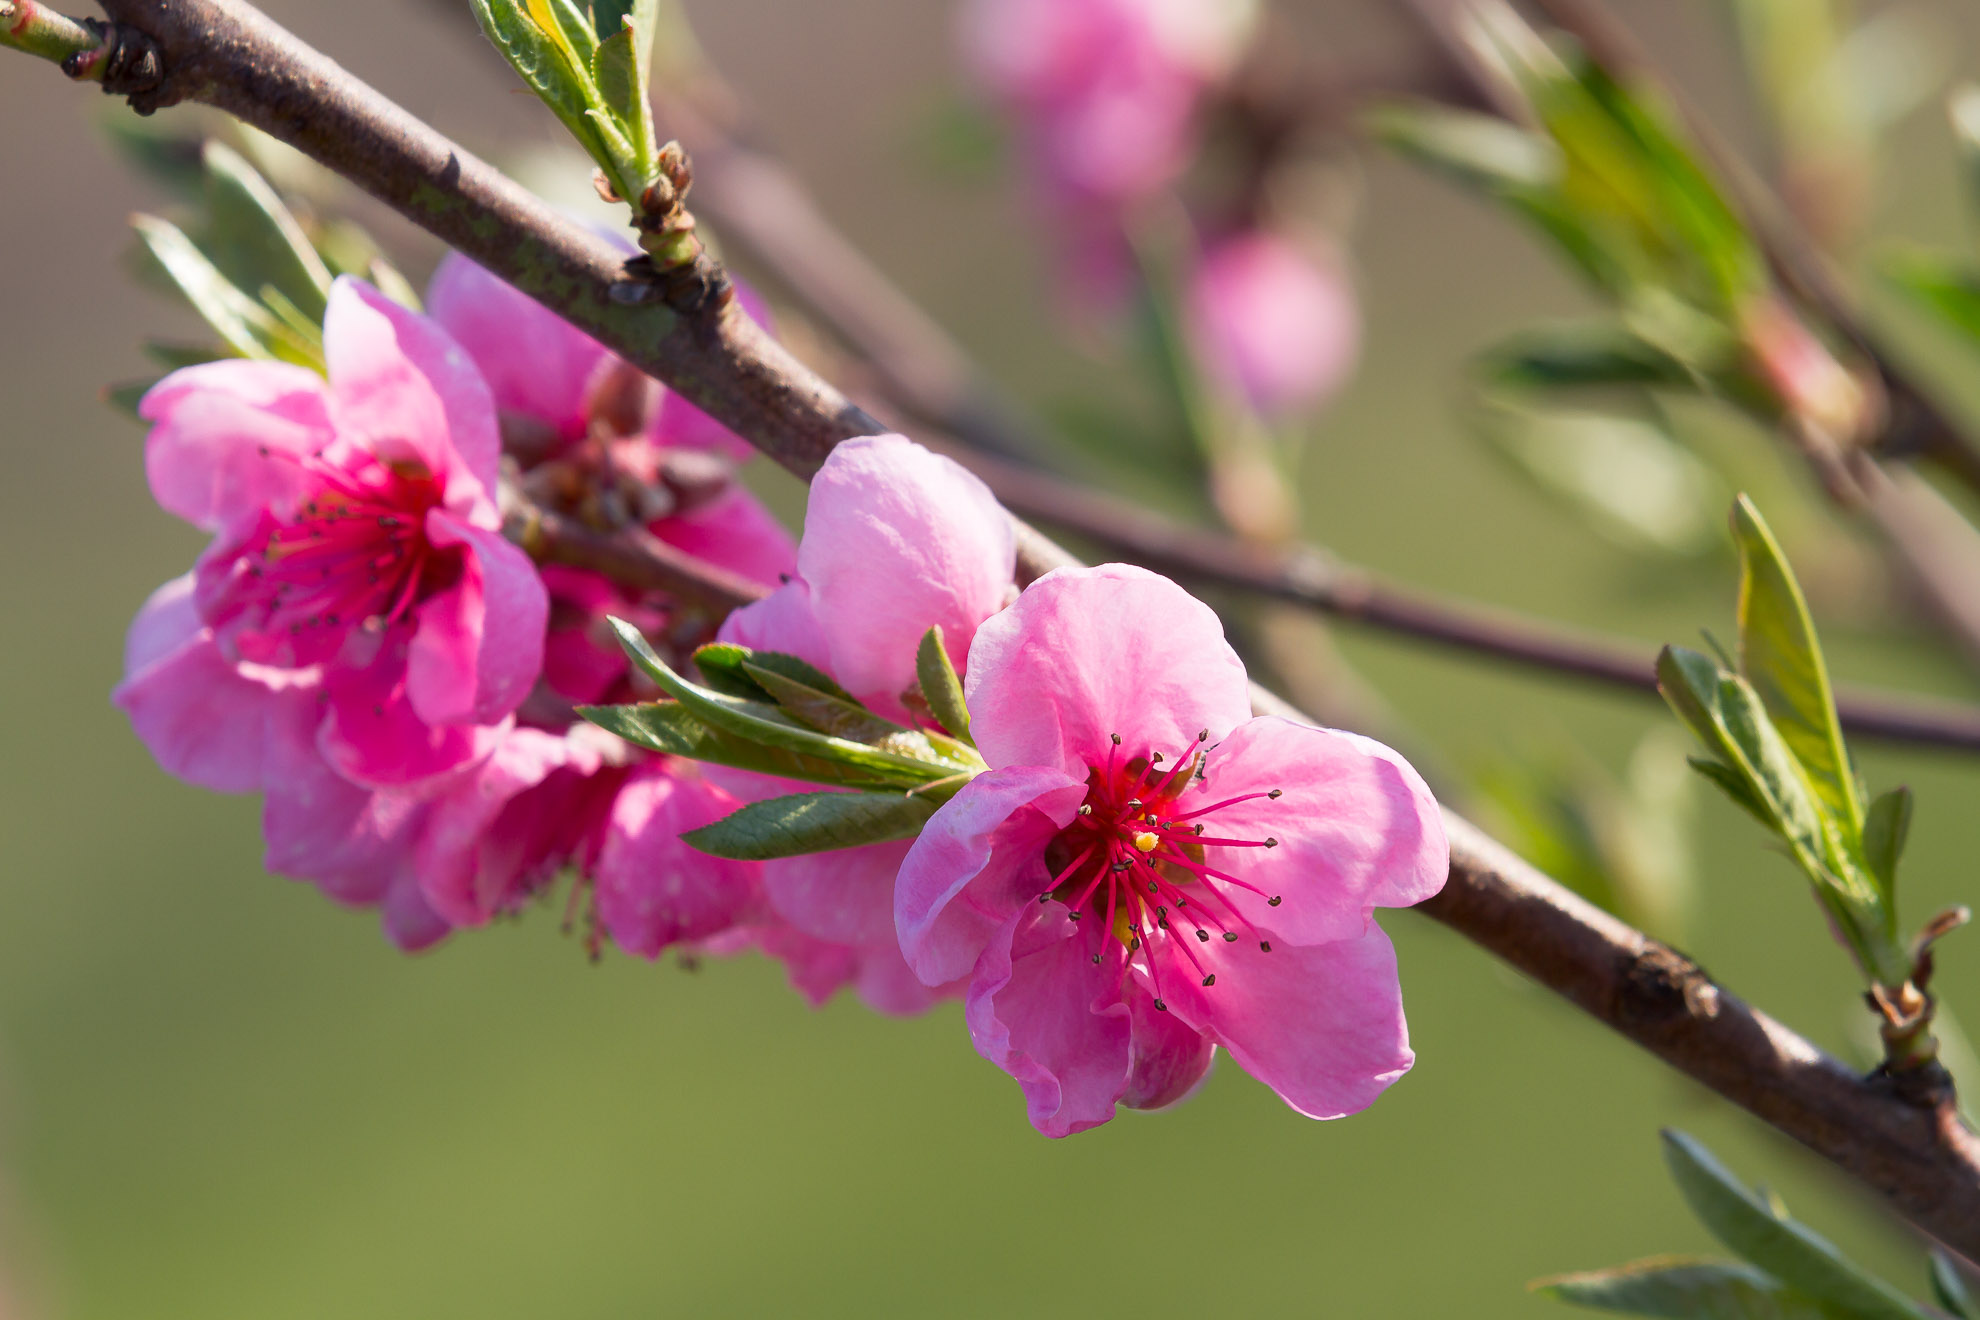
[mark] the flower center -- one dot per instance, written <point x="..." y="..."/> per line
<point x="356" y="551"/>
<point x="1141" y="858"/>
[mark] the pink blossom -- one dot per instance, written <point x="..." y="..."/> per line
<point x="1270" y="324"/>
<point x="1106" y="91"/>
<point x="1147" y="872"/>
<point x="896" y="540"/>
<point x="356" y="539"/>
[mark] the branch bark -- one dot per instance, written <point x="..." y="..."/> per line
<point x="228" y="55"/>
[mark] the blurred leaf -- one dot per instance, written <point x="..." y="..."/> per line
<point x="1963" y="108"/>
<point x="1785" y="1249"/>
<point x="1594" y="353"/>
<point x="812" y="823"/>
<point x="1680" y="1287"/>
<point x="254" y="238"/>
<point x="126" y="397"/>
<point x="940" y="687"/>
<point x="248" y="327"/>
<point x="1937" y="285"/>
<point x="1949" y="1289"/>
<point x="173" y="356"/>
<point x="1479" y="150"/>
<point x="1885" y="828"/>
<point x="1780" y="655"/>
<point x="1628" y="476"/>
<point x="670" y="728"/>
<point x="758" y="722"/>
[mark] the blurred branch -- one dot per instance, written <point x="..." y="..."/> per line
<point x="631" y="557"/>
<point x="227" y="54"/>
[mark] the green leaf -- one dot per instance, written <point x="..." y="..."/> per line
<point x="1885" y="827"/>
<point x="1937" y="285"/>
<point x="812" y="823"/>
<point x="841" y="717"/>
<point x="1734" y="785"/>
<point x="940" y="687"/>
<point x="721" y="663"/>
<point x="126" y="396"/>
<point x="532" y="36"/>
<point x="1597" y="353"/>
<point x="1950" y="1290"/>
<point x="669" y="727"/>
<point x="1781" y="657"/>
<point x="248" y="328"/>
<point x="755" y="721"/>
<point x="254" y="238"/>
<point x="1481" y="151"/>
<point x="1680" y="1287"/>
<point x="1785" y="1249"/>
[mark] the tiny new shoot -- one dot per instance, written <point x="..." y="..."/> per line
<point x="1774" y="746"/>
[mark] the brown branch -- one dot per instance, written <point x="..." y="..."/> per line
<point x="226" y="54"/>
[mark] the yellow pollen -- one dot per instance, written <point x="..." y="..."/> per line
<point x="1146" y="841"/>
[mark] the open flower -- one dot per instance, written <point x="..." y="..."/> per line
<point x="1146" y="872"/>
<point x="356" y="536"/>
<point x="896" y="540"/>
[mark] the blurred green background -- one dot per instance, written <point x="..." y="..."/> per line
<point x="221" y="1096"/>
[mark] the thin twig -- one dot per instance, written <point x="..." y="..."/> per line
<point x="226" y="54"/>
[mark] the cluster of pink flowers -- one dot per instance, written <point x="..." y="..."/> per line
<point x="1139" y="874"/>
<point x="361" y="644"/>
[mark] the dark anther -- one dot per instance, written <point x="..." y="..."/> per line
<point x="1045" y="897"/>
<point x="1203" y="935"/>
<point x="1134" y="804"/>
<point x="1153" y="887"/>
<point x="1154" y="758"/>
<point x="1134" y="942"/>
<point x="1210" y="979"/>
<point x="1264" y="946"/>
<point x="1274" y="901"/>
<point x="1203" y="736"/>
<point x="1163" y="922"/>
<point x="1271" y="843"/>
<point x="1096" y="960"/>
<point x="1161" y="1007"/>
<point x="1199" y="829"/>
<point x="1086" y="809"/>
<point x="1276" y="794"/>
<point x="1119" y="867"/>
<point x="1230" y="937"/>
<point x="1072" y="916"/>
<point x="1116" y="737"/>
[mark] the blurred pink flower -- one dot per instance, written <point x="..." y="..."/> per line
<point x="1272" y="325"/>
<point x="1147" y="872"/>
<point x="356" y="537"/>
<point x="896" y="540"/>
<point x="1105" y="91"/>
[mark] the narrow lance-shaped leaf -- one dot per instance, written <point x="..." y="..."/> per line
<point x="1950" y="1289"/>
<point x="1885" y="827"/>
<point x="721" y="665"/>
<point x="1785" y="1249"/>
<point x="255" y="239"/>
<point x="539" y="50"/>
<point x="670" y="728"/>
<point x="757" y="722"/>
<point x="811" y="823"/>
<point x="940" y="687"/>
<point x="249" y="328"/>
<point x="1781" y="657"/>
<point x="1684" y="1290"/>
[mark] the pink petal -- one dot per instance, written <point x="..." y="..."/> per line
<point x="469" y="868"/>
<point x="734" y="532"/>
<point x="1086" y="653"/>
<point x="479" y="646"/>
<point x="819" y="968"/>
<point x="351" y="842"/>
<point x="782" y="621"/>
<point x="896" y="540"/>
<point x="1271" y="324"/>
<point x="536" y="363"/>
<point x="227" y="437"/>
<point x="846" y="896"/>
<point x="979" y="859"/>
<point x="372" y="734"/>
<point x="207" y="720"/>
<point x="655" y="891"/>
<point x="1321" y="1025"/>
<point x="1041" y="1010"/>
<point x="404" y="390"/>
<point x="1168" y="1058"/>
<point x="410" y="922"/>
<point x="1356" y="825"/>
